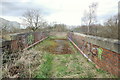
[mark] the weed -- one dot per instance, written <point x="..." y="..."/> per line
<point x="100" y="71"/>
<point x="45" y="67"/>
<point x="67" y="65"/>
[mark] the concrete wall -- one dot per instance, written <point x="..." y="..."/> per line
<point x="110" y="44"/>
<point x="102" y="51"/>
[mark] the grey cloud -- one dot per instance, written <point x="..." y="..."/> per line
<point x="18" y="8"/>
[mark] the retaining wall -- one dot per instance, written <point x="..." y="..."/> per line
<point x="102" y="51"/>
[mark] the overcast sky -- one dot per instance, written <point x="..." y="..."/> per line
<point x="61" y="11"/>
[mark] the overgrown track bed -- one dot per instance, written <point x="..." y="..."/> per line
<point x="61" y="60"/>
<point x="58" y="46"/>
<point x="51" y="58"/>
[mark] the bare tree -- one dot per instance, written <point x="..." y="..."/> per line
<point x="112" y="21"/>
<point x="33" y="19"/>
<point x="111" y="27"/>
<point x="60" y="27"/>
<point x="89" y="17"/>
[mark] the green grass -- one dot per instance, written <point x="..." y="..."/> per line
<point x="67" y="65"/>
<point x="45" y="43"/>
<point x="45" y="67"/>
<point x="55" y="37"/>
<point x="100" y="71"/>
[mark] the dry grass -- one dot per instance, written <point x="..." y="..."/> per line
<point x="41" y="64"/>
<point x="22" y="66"/>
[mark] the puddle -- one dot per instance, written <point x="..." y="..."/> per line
<point x="61" y="46"/>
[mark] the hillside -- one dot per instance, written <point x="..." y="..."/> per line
<point x="9" y="25"/>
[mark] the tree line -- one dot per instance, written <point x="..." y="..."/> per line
<point x="34" y="21"/>
<point x="89" y="26"/>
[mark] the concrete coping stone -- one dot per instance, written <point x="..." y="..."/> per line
<point x="110" y="44"/>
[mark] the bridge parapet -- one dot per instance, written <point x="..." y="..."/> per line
<point x="103" y="52"/>
<point x="110" y="44"/>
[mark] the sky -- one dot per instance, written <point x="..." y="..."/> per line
<point x="68" y="12"/>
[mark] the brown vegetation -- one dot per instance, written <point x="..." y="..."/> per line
<point x="21" y="66"/>
<point x="108" y="30"/>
